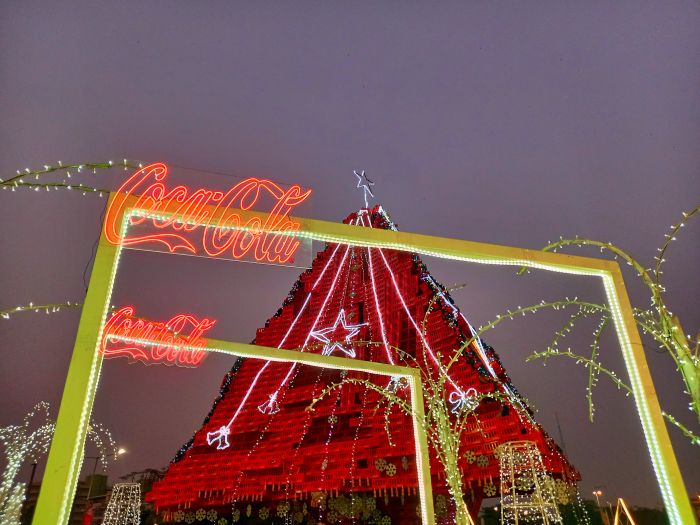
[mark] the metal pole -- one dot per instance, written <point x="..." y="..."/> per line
<point x="92" y="477"/>
<point x="29" y="487"/>
<point x="561" y="434"/>
<point x="600" y="511"/>
<point x="31" y="477"/>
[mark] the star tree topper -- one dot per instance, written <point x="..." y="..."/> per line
<point x="333" y="335"/>
<point x="364" y="183"/>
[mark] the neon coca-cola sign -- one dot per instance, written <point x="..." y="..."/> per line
<point x="206" y="222"/>
<point x="177" y="341"/>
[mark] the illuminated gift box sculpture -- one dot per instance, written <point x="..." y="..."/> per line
<point x="260" y="455"/>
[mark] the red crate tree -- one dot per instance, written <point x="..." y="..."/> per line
<point x="261" y="456"/>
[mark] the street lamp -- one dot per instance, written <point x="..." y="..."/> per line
<point x="598" y="493"/>
<point x="120" y="451"/>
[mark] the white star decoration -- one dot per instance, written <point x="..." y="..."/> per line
<point x="332" y="342"/>
<point x="364" y="183"/>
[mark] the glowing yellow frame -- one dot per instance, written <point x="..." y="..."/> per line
<point x="67" y="447"/>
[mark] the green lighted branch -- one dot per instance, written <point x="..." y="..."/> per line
<point x="46" y="308"/>
<point x="35" y="179"/>
<point x="444" y="422"/>
<point x="656" y="321"/>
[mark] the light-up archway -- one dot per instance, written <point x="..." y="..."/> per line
<point x="66" y="452"/>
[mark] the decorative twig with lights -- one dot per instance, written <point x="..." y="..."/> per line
<point x="35" y="179"/>
<point x="38" y="308"/>
<point x="656" y="321"/>
<point x="445" y="415"/>
<point x="444" y="421"/>
<point x="30" y="441"/>
<point x="29" y="179"/>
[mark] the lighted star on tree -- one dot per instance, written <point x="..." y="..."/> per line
<point x="364" y="183"/>
<point x="338" y="336"/>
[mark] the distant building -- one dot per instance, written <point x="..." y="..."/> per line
<point x="145" y="477"/>
<point x="80" y="502"/>
<point x="97" y="488"/>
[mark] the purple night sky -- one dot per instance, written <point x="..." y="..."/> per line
<point x="509" y="123"/>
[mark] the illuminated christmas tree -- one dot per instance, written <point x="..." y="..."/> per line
<point x="528" y="493"/>
<point x="261" y="455"/>
<point x="124" y="506"/>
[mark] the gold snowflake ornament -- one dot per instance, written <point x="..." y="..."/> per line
<point x="380" y="464"/>
<point x="490" y="489"/>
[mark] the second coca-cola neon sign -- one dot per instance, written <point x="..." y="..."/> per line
<point x="178" y="341"/>
<point x="206" y="222"/>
